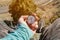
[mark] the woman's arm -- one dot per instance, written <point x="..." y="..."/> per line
<point x="22" y="33"/>
<point x="24" y="30"/>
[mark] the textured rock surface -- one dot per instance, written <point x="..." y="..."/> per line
<point x="4" y="8"/>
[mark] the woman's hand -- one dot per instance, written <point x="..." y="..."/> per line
<point x="34" y="26"/>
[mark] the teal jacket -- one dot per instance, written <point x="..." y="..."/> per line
<point x="23" y="32"/>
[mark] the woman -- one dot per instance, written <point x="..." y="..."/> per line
<point x="24" y="30"/>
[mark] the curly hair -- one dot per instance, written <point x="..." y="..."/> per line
<point x="21" y="7"/>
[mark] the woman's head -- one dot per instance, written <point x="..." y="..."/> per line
<point x="21" y="7"/>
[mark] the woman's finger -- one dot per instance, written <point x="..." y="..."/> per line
<point x="23" y="18"/>
<point x="35" y="24"/>
<point x="34" y="14"/>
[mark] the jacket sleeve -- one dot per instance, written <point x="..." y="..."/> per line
<point x="23" y="32"/>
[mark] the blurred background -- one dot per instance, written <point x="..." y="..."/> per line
<point x="48" y="10"/>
